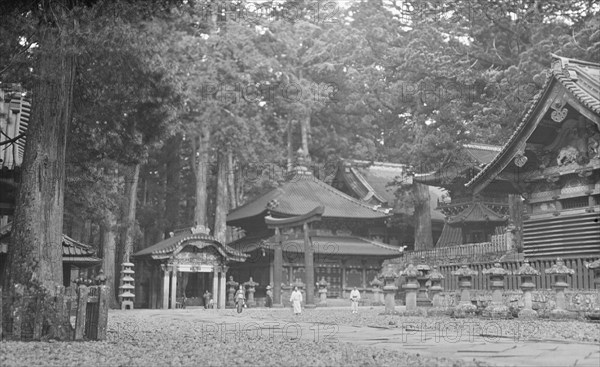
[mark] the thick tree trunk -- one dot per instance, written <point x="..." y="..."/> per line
<point x="231" y="181"/>
<point x="35" y="252"/>
<point x="221" y="209"/>
<point x="200" y="167"/>
<point x="422" y="215"/>
<point x="173" y="194"/>
<point x="131" y="185"/>
<point x="290" y="148"/>
<point x="305" y="131"/>
<point x="109" y="245"/>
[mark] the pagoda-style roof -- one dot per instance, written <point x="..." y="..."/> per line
<point x="324" y="245"/>
<point x="477" y="212"/>
<point x="480" y="156"/>
<point x="74" y="252"/>
<point x="571" y="82"/>
<point x="302" y="194"/>
<point x="369" y="181"/>
<point x="170" y="246"/>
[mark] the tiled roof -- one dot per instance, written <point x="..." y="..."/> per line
<point x="580" y="78"/>
<point x="301" y="195"/>
<point x="477" y="212"/>
<point x="451" y="236"/>
<point x="324" y="245"/>
<point x="70" y="247"/>
<point x="370" y="180"/>
<point x="167" y="246"/>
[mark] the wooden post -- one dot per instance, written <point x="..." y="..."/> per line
<point x="309" y="268"/>
<point x="277" y="270"/>
<point x="222" y="290"/>
<point x="165" y="290"/>
<point x="82" y="298"/>
<point x="174" y="289"/>
<point x="102" y="312"/>
<point x="215" y="285"/>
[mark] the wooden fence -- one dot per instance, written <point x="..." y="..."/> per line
<point x="582" y="279"/>
<point x="88" y="306"/>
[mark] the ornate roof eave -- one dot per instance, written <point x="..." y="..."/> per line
<point x="489" y="215"/>
<point x="198" y="240"/>
<point x="529" y="123"/>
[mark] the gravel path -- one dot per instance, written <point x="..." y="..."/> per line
<point x="188" y="338"/>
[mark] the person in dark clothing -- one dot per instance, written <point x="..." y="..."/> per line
<point x="206" y="297"/>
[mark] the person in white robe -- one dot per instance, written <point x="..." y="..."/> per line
<point x="296" y="299"/>
<point x="355" y="297"/>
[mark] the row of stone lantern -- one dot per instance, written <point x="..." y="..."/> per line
<point x="249" y="286"/>
<point x="418" y="276"/>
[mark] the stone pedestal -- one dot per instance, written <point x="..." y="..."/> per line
<point x="411" y="273"/>
<point x="389" y="277"/>
<point x="435" y="290"/>
<point x="231" y="291"/>
<point x="464" y="308"/>
<point x="497" y="309"/>
<point x="251" y="287"/>
<point x="322" y="286"/>
<point x="377" y="292"/>
<point x="526" y="273"/>
<point x="560" y="272"/>
<point x="422" y="279"/>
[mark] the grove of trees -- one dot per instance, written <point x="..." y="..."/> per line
<point x="149" y="116"/>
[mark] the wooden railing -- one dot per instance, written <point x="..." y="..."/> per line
<point x="89" y="304"/>
<point x="472" y="252"/>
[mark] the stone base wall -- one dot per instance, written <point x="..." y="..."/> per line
<point x="544" y="300"/>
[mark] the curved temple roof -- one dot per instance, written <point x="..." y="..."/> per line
<point x="579" y="78"/>
<point x="301" y="195"/>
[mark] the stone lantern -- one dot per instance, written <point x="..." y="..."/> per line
<point x="422" y="278"/>
<point x="526" y="273"/>
<point x="560" y="272"/>
<point x="496" y="308"/>
<point x="251" y="284"/>
<point x="389" y="277"/>
<point x="595" y="314"/>
<point x="126" y="288"/>
<point x="464" y="307"/>
<point x="322" y="286"/>
<point x="377" y="291"/>
<point x="435" y="277"/>
<point x="231" y="291"/>
<point x="411" y="273"/>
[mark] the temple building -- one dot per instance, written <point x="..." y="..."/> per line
<point x="469" y="218"/>
<point x="181" y="268"/>
<point x="306" y="230"/>
<point x="552" y="160"/>
<point x="371" y="183"/>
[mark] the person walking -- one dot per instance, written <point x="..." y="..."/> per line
<point x="269" y="301"/>
<point x="355" y="297"/>
<point x="240" y="298"/>
<point x="296" y="299"/>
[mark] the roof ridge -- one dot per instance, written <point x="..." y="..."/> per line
<point x="379" y="244"/>
<point x="347" y="197"/>
<point x="483" y="146"/>
<point x="364" y="181"/>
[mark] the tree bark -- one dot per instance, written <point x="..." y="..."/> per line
<point x="108" y="254"/>
<point x="131" y="186"/>
<point x="221" y="209"/>
<point x="422" y="216"/>
<point x="200" y="168"/>
<point x="305" y="131"/>
<point x="173" y="192"/>
<point x="35" y="252"/>
<point x="290" y="148"/>
<point x="231" y="181"/>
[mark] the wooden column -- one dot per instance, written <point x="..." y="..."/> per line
<point x="174" y="289"/>
<point x="277" y="270"/>
<point x="222" y="289"/>
<point x="215" y="285"/>
<point x="309" y="268"/>
<point x="364" y="274"/>
<point x="343" y="295"/>
<point x="165" y="287"/>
